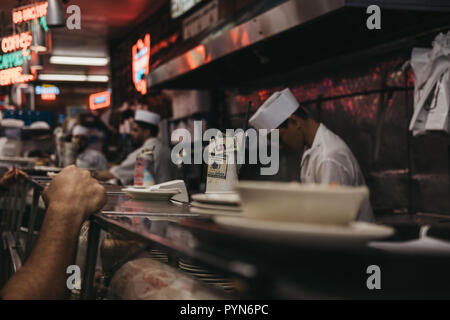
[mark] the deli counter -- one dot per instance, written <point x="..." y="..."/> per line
<point x="134" y="249"/>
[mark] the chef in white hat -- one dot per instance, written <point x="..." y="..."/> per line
<point x="144" y="134"/>
<point x="326" y="158"/>
<point x="87" y="158"/>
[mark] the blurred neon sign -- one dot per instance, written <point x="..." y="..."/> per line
<point x="16" y="42"/>
<point x="99" y="100"/>
<point x="48" y="96"/>
<point x="47" y="92"/>
<point x="14" y="75"/>
<point x="15" y="51"/>
<point x="141" y="61"/>
<point x="30" y="12"/>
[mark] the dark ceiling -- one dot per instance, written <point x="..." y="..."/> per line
<point x="101" y="21"/>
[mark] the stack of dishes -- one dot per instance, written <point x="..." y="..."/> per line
<point x="205" y="275"/>
<point x="150" y="193"/>
<point x="159" y="255"/>
<point x="216" y="204"/>
<point x="303" y="214"/>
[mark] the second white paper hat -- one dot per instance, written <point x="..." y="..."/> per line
<point x="80" y="131"/>
<point x="147" y="117"/>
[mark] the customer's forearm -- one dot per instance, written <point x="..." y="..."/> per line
<point x="44" y="274"/>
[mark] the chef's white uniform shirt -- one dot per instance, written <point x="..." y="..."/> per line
<point x="330" y="160"/>
<point x="163" y="163"/>
<point x="92" y="159"/>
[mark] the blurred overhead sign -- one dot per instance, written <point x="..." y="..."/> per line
<point x="47" y="92"/>
<point x="16" y="42"/>
<point x="99" y="100"/>
<point x="141" y="62"/>
<point x="29" y="12"/>
<point x="201" y="20"/>
<point x="14" y="51"/>
<point x="179" y="7"/>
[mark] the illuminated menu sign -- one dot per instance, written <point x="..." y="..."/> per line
<point x="99" y="100"/>
<point x="179" y="7"/>
<point x="14" y="51"/>
<point x="47" y="92"/>
<point x="141" y="62"/>
<point x="29" y="12"/>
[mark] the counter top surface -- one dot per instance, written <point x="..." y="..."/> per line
<point x="289" y="269"/>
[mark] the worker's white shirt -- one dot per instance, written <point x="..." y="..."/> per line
<point x="163" y="163"/>
<point x="92" y="159"/>
<point x="329" y="160"/>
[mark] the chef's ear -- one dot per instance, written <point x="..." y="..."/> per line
<point x="296" y="121"/>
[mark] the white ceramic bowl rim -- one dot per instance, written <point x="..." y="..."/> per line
<point x="298" y="187"/>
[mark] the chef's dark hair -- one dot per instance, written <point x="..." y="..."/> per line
<point x="301" y="113"/>
<point x="154" y="130"/>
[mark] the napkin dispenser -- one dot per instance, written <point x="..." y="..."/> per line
<point x="222" y="169"/>
<point x="174" y="184"/>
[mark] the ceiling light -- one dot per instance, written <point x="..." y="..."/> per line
<point x="98" y="78"/>
<point x="73" y="77"/>
<point x="63" y="77"/>
<point x="79" y="61"/>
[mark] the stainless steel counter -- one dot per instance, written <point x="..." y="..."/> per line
<point x="260" y="268"/>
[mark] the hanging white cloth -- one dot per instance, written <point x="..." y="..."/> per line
<point x="432" y="87"/>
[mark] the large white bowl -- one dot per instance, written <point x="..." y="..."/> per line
<point x="307" y="203"/>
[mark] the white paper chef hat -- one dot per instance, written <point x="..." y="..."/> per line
<point x="275" y="110"/>
<point x="147" y="117"/>
<point x="80" y="131"/>
<point x="39" y="125"/>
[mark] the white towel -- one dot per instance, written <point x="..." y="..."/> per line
<point x="432" y="87"/>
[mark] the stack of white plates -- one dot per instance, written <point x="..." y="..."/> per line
<point x="203" y="274"/>
<point x="216" y="204"/>
<point x="159" y="255"/>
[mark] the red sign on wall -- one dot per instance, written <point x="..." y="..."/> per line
<point x="141" y="62"/>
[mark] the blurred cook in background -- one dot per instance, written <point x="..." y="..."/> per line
<point x="87" y="158"/>
<point x="10" y="178"/>
<point x="326" y="158"/>
<point x="144" y="133"/>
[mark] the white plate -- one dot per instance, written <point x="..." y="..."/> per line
<point x="231" y="199"/>
<point x="155" y="195"/>
<point x="211" y="212"/>
<point x="356" y="233"/>
<point x="215" y="206"/>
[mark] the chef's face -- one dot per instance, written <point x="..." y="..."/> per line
<point x="138" y="135"/>
<point x="291" y="134"/>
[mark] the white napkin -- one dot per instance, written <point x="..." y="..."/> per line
<point x="174" y="184"/>
<point x="432" y="87"/>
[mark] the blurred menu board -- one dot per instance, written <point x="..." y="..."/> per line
<point x="179" y="7"/>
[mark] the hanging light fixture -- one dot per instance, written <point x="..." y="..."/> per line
<point x="38" y="40"/>
<point x="55" y="16"/>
